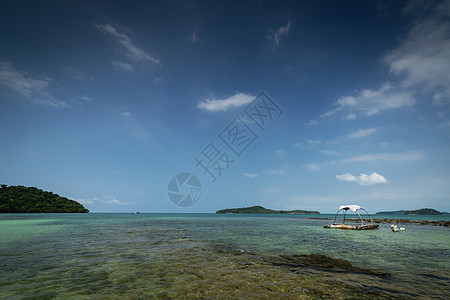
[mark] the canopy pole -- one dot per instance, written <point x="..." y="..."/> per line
<point x="360" y="217"/>
<point x="336" y="216"/>
<point x="371" y="221"/>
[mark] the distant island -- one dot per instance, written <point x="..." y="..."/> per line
<point x="21" y="199"/>
<point x="261" y="210"/>
<point x="422" y="211"/>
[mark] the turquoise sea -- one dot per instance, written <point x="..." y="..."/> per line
<point x="209" y="256"/>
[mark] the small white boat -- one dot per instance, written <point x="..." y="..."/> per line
<point x="355" y="209"/>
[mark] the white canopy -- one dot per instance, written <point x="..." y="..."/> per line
<point x="353" y="208"/>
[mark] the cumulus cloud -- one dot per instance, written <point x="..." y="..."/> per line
<point x="31" y="86"/>
<point x="363" y="179"/>
<point x="361" y="133"/>
<point x="347" y="177"/>
<point x="214" y="104"/>
<point x="132" y="50"/>
<point x="275" y="35"/>
<point x="251" y="175"/>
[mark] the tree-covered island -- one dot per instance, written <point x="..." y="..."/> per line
<point x="262" y="210"/>
<point x="422" y="211"/>
<point x="21" y="199"/>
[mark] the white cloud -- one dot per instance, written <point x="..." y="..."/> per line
<point x="32" y="87"/>
<point x="424" y="56"/>
<point x="370" y="102"/>
<point x="133" y="51"/>
<point x="276" y="190"/>
<point x="115" y="201"/>
<point x="329" y="152"/>
<point x="421" y="61"/>
<point x="312" y="142"/>
<point x="331" y="112"/>
<point x="280" y="152"/>
<point x="371" y="179"/>
<point x="402" y="156"/>
<point x="276" y="34"/>
<point x="251" y="175"/>
<point x="277" y="172"/>
<point x="83" y="201"/>
<point x="122" y="66"/>
<point x="351" y="116"/>
<point x="363" y="179"/>
<point x="362" y="133"/>
<point x="81" y="99"/>
<point x="346" y="177"/>
<point x="194" y="37"/>
<point x="85" y="98"/>
<point x="127" y="115"/>
<point x="238" y="99"/>
<point x="137" y="130"/>
<point x="312" y="166"/>
<point x="109" y="199"/>
<point x="311" y="122"/>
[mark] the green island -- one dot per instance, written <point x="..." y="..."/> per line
<point x="422" y="211"/>
<point x="21" y="199"/>
<point x="262" y="210"/>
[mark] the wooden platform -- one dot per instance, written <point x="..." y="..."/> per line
<point x="352" y="227"/>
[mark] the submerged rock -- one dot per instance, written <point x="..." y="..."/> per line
<point x="321" y="262"/>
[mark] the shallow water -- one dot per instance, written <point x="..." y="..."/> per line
<point x="208" y="256"/>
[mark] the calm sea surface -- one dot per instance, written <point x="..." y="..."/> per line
<point x="209" y="256"/>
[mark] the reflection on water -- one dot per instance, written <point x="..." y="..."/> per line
<point x="210" y="256"/>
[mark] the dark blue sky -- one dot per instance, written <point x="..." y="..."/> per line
<point x="104" y="102"/>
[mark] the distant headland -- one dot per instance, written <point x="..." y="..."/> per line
<point x="422" y="211"/>
<point x="262" y="210"/>
<point x="21" y="199"/>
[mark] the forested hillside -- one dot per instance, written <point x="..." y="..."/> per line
<point x="21" y="199"/>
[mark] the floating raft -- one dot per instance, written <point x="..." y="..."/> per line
<point x="353" y="208"/>
<point x="352" y="227"/>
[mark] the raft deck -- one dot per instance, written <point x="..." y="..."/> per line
<point x="352" y="227"/>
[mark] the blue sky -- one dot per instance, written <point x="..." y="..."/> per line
<point x="104" y="102"/>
